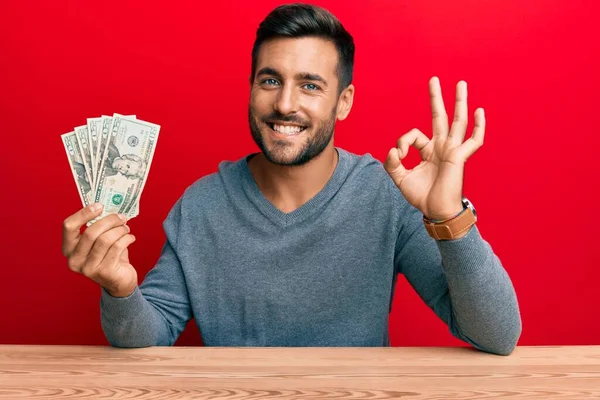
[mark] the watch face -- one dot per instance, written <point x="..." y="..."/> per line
<point x="468" y="204"/>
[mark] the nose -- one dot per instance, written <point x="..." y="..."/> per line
<point x="287" y="101"/>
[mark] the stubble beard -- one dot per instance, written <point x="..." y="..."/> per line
<point x="278" y="152"/>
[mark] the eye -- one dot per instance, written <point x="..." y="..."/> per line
<point x="270" y="81"/>
<point x="311" y="86"/>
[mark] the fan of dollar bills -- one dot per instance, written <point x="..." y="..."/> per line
<point x="110" y="158"/>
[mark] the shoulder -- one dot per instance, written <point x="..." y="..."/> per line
<point x="212" y="189"/>
<point x="204" y="199"/>
<point x="365" y="171"/>
<point x="209" y="191"/>
<point x="368" y="176"/>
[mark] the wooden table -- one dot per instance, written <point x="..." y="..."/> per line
<point x="74" y="372"/>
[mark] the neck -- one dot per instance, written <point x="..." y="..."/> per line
<point x="289" y="187"/>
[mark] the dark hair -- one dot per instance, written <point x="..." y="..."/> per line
<point x="304" y="20"/>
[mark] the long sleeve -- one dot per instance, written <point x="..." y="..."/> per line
<point x="156" y="313"/>
<point x="462" y="281"/>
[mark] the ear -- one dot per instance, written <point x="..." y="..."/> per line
<point x="345" y="102"/>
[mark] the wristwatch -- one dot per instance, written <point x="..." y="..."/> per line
<point x="450" y="228"/>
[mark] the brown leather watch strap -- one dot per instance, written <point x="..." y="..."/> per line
<point x="453" y="227"/>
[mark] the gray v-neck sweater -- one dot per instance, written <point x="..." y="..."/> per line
<point x="322" y="275"/>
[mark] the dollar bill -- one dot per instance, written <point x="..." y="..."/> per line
<point x="81" y="132"/>
<point x="76" y="161"/>
<point x="105" y="125"/>
<point x="94" y="127"/>
<point x="126" y="163"/>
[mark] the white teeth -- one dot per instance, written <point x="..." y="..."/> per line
<point x="286" y="129"/>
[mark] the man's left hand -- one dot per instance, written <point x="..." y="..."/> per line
<point x="434" y="186"/>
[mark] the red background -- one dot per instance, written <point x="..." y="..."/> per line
<point x="532" y="65"/>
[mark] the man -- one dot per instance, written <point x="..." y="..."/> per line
<point x="301" y="244"/>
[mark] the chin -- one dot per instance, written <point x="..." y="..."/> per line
<point x="283" y="155"/>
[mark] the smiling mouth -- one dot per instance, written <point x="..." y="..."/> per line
<point x="286" y="129"/>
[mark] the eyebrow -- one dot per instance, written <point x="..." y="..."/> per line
<point x="309" y="76"/>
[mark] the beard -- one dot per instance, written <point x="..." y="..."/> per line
<point x="279" y="152"/>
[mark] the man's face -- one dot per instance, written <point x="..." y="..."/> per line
<point x="294" y="98"/>
<point x="126" y="167"/>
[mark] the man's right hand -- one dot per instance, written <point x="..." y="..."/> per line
<point x="100" y="253"/>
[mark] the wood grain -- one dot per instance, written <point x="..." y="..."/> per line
<point x="90" y="372"/>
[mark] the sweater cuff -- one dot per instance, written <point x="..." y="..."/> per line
<point x="120" y="308"/>
<point x="465" y="255"/>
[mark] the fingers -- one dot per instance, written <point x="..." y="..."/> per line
<point x="438" y="111"/>
<point x="471" y="145"/>
<point x="111" y="257"/>
<point x="72" y="226"/>
<point x="461" y="119"/>
<point x="393" y="164"/>
<point x="414" y="138"/>
<point x="104" y="243"/>
<point x="82" y="249"/>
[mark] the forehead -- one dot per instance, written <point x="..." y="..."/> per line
<point x="292" y="55"/>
